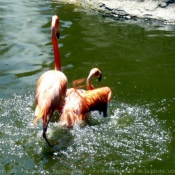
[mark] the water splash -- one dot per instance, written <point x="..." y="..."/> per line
<point x="131" y="136"/>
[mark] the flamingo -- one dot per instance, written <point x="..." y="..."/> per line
<point x="79" y="102"/>
<point x="51" y="86"/>
<point x="97" y="99"/>
<point x="75" y="108"/>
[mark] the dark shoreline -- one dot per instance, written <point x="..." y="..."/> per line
<point x="159" y="11"/>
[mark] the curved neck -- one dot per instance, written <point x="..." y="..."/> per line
<point x="95" y="72"/>
<point x="55" y="45"/>
<point x="88" y="83"/>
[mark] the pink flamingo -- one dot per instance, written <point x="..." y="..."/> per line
<point x="79" y="102"/>
<point x="52" y="85"/>
<point x="98" y="98"/>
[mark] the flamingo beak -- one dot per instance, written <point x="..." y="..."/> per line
<point x="100" y="77"/>
<point x="58" y="35"/>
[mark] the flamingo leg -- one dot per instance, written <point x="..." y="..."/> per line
<point x="44" y="136"/>
<point x="45" y="128"/>
<point x="105" y="110"/>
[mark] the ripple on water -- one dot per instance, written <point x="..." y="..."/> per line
<point x="130" y="136"/>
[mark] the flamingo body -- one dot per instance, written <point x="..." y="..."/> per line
<point x="98" y="99"/>
<point x="75" y="108"/>
<point x="50" y="93"/>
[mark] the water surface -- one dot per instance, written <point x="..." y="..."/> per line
<point x="137" y="62"/>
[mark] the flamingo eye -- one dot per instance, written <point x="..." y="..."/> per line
<point x="97" y="73"/>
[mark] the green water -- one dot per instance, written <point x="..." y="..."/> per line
<point x="137" y="60"/>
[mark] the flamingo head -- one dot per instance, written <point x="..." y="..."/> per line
<point x="96" y="73"/>
<point x="55" y="25"/>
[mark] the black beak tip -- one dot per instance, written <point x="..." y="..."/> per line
<point x="100" y="77"/>
<point x="58" y="35"/>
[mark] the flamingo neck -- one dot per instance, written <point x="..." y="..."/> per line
<point x="88" y="83"/>
<point x="56" y="50"/>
